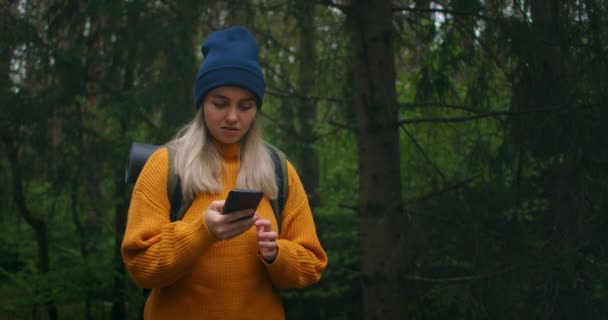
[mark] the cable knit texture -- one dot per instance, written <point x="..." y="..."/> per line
<point x="197" y="276"/>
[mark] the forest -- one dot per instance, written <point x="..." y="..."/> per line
<point x="451" y="149"/>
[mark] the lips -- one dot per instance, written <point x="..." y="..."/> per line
<point x="230" y="130"/>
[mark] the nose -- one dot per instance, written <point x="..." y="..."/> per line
<point x="233" y="114"/>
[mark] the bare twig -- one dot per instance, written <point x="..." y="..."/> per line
<point x="284" y="125"/>
<point x="330" y="133"/>
<point x="451" y="119"/>
<point x="459" y="279"/>
<point x="349" y="206"/>
<point x="284" y="78"/>
<point x="438" y="105"/>
<point x="424" y="155"/>
<point x="315" y="98"/>
<point x="341" y="125"/>
<point x="482" y="43"/>
<point x="455" y="186"/>
<point x="487" y="114"/>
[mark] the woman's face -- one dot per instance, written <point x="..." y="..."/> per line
<point x="229" y="113"/>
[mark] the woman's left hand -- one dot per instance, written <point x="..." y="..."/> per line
<point x="267" y="240"/>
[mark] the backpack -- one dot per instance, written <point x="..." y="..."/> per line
<point x="140" y="152"/>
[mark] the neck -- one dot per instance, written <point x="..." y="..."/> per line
<point x="227" y="151"/>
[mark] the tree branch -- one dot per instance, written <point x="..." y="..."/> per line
<point x="437" y="105"/>
<point x="482" y="43"/>
<point x="447" y="11"/>
<point x="459" y="279"/>
<point x="329" y="133"/>
<point x="341" y="125"/>
<point x="484" y="114"/>
<point x="424" y="155"/>
<point x="454" y="186"/>
<point x="448" y="120"/>
<point x="284" y="125"/>
<point x="275" y="93"/>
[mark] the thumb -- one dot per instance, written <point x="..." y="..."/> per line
<point x="217" y="205"/>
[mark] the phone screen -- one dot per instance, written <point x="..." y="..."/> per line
<point x="240" y="199"/>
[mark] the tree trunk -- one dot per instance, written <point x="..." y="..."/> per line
<point x="307" y="108"/>
<point x="381" y="218"/>
<point x="545" y="138"/>
<point x="38" y="225"/>
<point x="87" y="226"/>
<point x="92" y="60"/>
<point x="119" y="311"/>
<point x="240" y="13"/>
<point x="125" y="79"/>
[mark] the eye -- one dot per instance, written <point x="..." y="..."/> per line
<point x="219" y="104"/>
<point x="245" y="107"/>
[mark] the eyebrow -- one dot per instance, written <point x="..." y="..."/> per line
<point x="221" y="96"/>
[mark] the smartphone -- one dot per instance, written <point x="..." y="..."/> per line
<point x="240" y="199"/>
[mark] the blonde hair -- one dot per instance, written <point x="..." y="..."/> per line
<point x="200" y="167"/>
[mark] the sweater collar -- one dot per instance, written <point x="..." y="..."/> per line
<point x="227" y="151"/>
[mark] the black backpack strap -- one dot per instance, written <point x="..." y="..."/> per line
<point x="179" y="205"/>
<point x="279" y="161"/>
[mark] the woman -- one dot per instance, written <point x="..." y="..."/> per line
<point x="211" y="265"/>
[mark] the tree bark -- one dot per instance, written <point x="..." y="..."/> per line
<point x="119" y="311"/>
<point x="380" y="208"/>
<point x="89" y="144"/>
<point x="125" y="79"/>
<point x="307" y="108"/>
<point x="562" y="181"/>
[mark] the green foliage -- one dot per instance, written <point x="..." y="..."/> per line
<point x="502" y="149"/>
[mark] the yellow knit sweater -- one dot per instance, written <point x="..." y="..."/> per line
<point x="197" y="276"/>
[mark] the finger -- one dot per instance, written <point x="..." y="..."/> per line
<point x="268" y="254"/>
<point x="263" y="225"/>
<point x="242" y="225"/>
<point x="239" y="215"/>
<point x="267" y="249"/>
<point x="267" y="244"/>
<point x="232" y="232"/>
<point x="267" y="236"/>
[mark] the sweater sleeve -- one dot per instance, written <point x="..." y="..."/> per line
<point x="300" y="260"/>
<point x="156" y="251"/>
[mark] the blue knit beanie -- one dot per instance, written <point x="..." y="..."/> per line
<point x="230" y="59"/>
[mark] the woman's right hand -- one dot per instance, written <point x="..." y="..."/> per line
<point x="228" y="226"/>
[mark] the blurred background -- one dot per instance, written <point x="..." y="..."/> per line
<point x="452" y="149"/>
